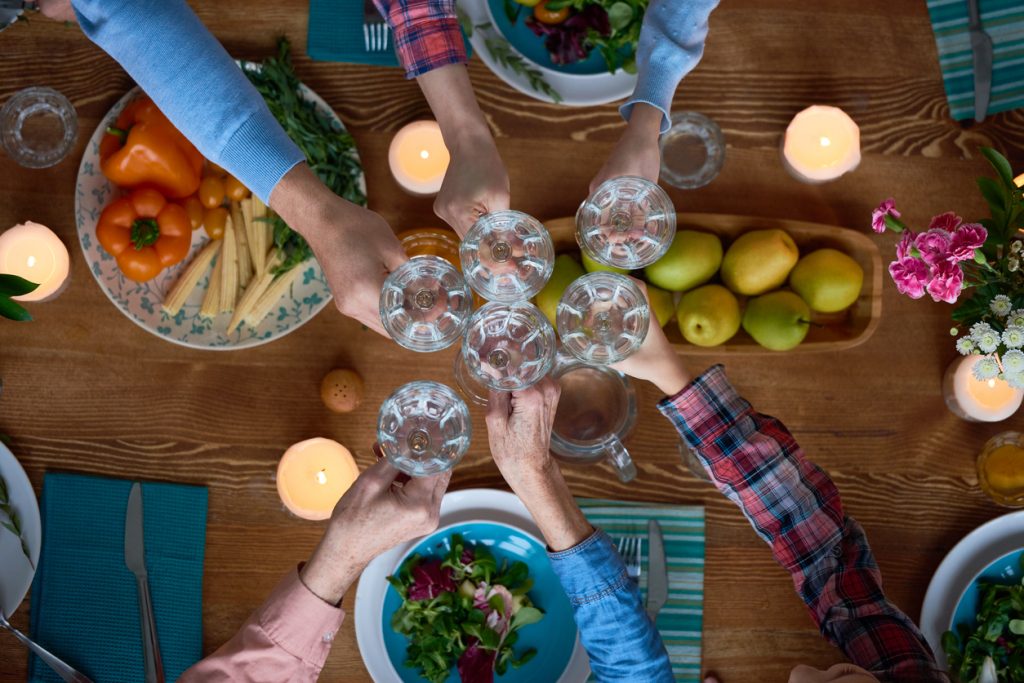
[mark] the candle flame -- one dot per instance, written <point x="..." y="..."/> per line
<point x="424" y="154"/>
<point x="31" y="262"/>
<point x="991" y="384"/>
<point x="825" y="142"/>
<point x="321" y="477"/>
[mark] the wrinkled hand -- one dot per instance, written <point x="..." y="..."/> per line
<point x="637" y="152"/>
<point x="519" y="430"/>
<point x="373" y="516"/>
<point x="476" y="183"/>
<point x="656" y="361"/>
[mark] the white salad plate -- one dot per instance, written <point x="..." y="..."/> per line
<point x="577" y="90"/>
<point x="968" y="558"/>
<point x="141" y="302"/>
<point x="457" y="507"/>
<point x="16" y="572"/>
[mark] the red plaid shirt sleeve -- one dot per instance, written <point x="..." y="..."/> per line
<point x="794" y="506"/>
<point x="427" y="33"/>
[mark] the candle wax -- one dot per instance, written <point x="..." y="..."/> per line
<point x="418" y="157"/>
<point x="313" y="475"/>
<point x="34" y="252"/>
<point x="822" y="143"/>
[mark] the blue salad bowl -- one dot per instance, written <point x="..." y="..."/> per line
<point x="1007" y="569"/>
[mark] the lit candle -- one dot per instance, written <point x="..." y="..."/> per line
<point x="35" y="253"/>
<point x="418" y="158"/>
<point x="990" y="400"/>
<point x="821" y="144"/>
<point x="1019" y="180"/>
<point x="313" y="475"/>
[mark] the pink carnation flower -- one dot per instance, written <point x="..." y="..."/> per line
<point x="904" y="245"/>
<point x="911" y="276"/>
<point x="947" y="282"/>
<point x="934" y="246"/>
<point x="965" y="240"/>
<point x="886" y="208"/>
<point x="946" y="221"/>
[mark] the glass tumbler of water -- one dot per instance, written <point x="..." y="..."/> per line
<point x="38" y="127"/>
<point x="603" y="318"/>
<point x="692" y="151"/>
<point x="628" y="222"/>
<point x="507" y="347"/>
<point x="425" y="304"/>
<point x="507" y="256"/>
<point x="423" y="428"/>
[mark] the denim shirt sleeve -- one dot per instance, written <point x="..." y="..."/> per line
<point x="619" y="638"/>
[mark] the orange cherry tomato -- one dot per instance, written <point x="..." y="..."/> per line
<point x="214" y="222"/>
<point x="211" y="192"/>
<point x="547" y="16"/>
<point x="194" y="208"/>
<point x="234" y="189"/>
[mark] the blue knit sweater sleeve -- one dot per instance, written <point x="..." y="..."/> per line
<point x="671" y="45"/>
<point x="170" y="54"/>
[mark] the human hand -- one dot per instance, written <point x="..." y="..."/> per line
<point x="355" y="246"/>
<point x="637" y="152"/>
<point x="656" y="361"/>
<point x="375" y="514"/>
<point x="58" y="10"/>
<point x="476" y="182"/>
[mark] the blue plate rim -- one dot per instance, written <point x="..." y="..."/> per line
<point x="974" y="582"/>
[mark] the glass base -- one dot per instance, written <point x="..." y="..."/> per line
<point x="692" y="151"/>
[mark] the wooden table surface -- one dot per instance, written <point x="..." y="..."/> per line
<point x="86" y="390"/>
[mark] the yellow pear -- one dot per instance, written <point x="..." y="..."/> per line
<point x="691" y="260"/>
<point x="708" y="315"/>
<point x="828" y="280"/>
<point x="565" y="272"/>
<point x="662" y="305"/>
<point x="759" y="261"/>
<point x="592" y="266"/>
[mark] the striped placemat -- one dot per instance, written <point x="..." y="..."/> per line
<point x="682" y="526"/>
<point x="1003" y="20"/>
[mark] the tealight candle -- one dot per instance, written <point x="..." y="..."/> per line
<point x="1019" y="180"/>
<point x="34" y="252"/>
<point x="313" y="475"/>
<point x="974" y="400"/>
<point x="821" y="144"/>
<point x="418" y="158"/>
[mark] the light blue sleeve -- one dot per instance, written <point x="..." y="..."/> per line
<point x="671" y="45"/>
<point x="619" y="638"/>
<point x="170" y="54"/>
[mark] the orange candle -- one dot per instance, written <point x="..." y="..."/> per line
<point x="419" y="158"/>
<point x="35" y="253"/>
<point x="821" y="144"/>
<point x="313" y="475"/>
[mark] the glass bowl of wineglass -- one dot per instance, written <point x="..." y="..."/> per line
<point x="628" y="222"/>
<point x="425" y="304"/>
<point x="603" y="318"/>
<point x="507" y="256"/>
<point x="507" y="347"/>
<point x="423" y="428"/>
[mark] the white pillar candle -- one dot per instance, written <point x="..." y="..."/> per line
<point x="1019" y="180"/>
<point x="821" y="144"/>
<point x="419" y="158"/>
<point x="990" y="400"/>
<point x="313" y="475"/>
<point x="35" y="253"/>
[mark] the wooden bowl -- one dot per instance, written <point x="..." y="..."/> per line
<point x="831" y="332"/>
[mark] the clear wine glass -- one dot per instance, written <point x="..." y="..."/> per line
<point x="423" y="428"/>
<point x="628" y="222"/>
<point x="425" y="304"/>
<point x="507" y="347"/>
<point x="603" y="318"/>
<point x="507" y="256"/>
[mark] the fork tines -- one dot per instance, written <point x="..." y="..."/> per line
<point x="375" y="36"/>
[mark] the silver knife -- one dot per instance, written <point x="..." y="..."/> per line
<point x="135" y="559"/>
<point x="657" y="570"/>
<point x="981" y="46"/>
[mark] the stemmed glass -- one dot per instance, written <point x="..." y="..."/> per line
<point x="507" y="347"/>
<point x="425" y="304"/>
<point x="628" y="222"/>
<point x="507" y="256"/>
<point x="423" y="428"/>
<point x="603" y="318"/>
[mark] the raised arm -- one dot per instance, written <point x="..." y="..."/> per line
<point x="619" y="638"/>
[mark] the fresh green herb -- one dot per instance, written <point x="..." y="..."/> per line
<point x="10" y="286"/>
<point x="996" y="643"/>
<point x="329" y="151"/>
<point x="9" y="520"/>
<point x="443" y="628"/>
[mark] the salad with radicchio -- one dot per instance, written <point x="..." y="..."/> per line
<point x="463" y="610"/>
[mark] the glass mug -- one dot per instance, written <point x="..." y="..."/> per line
<point x="596" y="412"/>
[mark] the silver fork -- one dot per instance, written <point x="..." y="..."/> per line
<point x="375" y="29"/>
<point x="630" y="549"/>
<point x="63" y="670"/>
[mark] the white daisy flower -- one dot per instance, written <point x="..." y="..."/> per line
<point x="977" y="329"/>
<point x="965" y="345"/>
<point x="985" y="368"/>
<point x="1001" y="305"/>
<point x="1015" y="380"/>
<point x="1013" y="264"/>
<point x="1013" y="337"/>
<point x="987" y="341"/>
<point x="1016" y="318"/>
<point x="1013" y="361"/>
<point x="1016" y="246"/>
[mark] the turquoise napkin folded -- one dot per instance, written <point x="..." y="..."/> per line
<point x="681" y="620"/>
<point x="84" y="601"/>
<point x="1003" y="20"/>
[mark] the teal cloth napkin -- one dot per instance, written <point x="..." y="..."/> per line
<point x="681" y="620"/>
<point x="1003" y="20"/>
<point x="84" y="601"/>
<point x="336" y="35"/>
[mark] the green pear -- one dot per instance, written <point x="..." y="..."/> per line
<point x="759" y="261"/>
<point x="708" y="315"/>
<point x="565" y="272"/>
<point x="592" y="266"/>
<point x="777" y="321"/>
<point x="692" y="259"/>
<point x="662" y="305"/>
<point x="828" y="280"/>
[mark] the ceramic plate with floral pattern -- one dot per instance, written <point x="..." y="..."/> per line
<point x="140" y="302"/>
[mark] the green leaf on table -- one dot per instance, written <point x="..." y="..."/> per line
<point x="994" y="193"/>
<point x="13" y="311"/>
<point x="1001" y="165"/>
<point x="13" y="285"/>
<point x="620" y="15"/>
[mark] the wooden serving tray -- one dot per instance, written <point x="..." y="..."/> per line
<point x="837" y="331"/>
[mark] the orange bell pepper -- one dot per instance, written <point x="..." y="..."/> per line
<point x="144" y="148"/>
<point x="145" y="233"/>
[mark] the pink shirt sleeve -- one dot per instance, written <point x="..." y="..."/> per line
<point x="287" y="639"/>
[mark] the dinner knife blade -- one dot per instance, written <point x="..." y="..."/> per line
<point x="982" y="49"/>
<point x="135" y="560"/>
<point x="134" y="544"/>
<point x="657" y="570"/>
